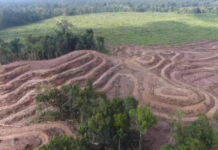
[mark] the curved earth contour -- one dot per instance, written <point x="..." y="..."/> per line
<point x="167" y="78"/>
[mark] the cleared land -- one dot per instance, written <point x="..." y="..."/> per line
<point x="131" y="28"/>
<point x="166" y="78"/>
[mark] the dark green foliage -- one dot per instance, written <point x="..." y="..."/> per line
<point x="97" y="129"/>
<point x="72" y="102"/>
<point x="100" y="42"/>
<point x="49" y="46"/>
<point x="130" y="103"/>
<point x="63" y="143"/>
<point x="101" y="121"/>
<point x="109" y="124"/>
<point x="198" y="136"/>
<point x="144" y="118"/>
<point x="117" y="106"/>
<point x="56" y="98"/>
<point x="197" y="10"/>
<point x="15" y="46"/>
<point x="216" y="117"/>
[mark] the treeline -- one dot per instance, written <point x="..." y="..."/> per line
<point x="50" y="46"/>
<point x="14" y="14"/>
<point x="22" y="12"/>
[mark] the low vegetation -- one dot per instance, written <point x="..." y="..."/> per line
<point x="129" y="28"/>
<point x="29" y="12"/>
<point x="103" y="123"/>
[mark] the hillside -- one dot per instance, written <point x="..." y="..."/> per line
<point x="130" y="28"/>
<point x="166" y="78"/>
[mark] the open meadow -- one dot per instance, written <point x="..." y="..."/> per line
<point x="130" y="28"/>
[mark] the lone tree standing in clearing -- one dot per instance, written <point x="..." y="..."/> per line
<point x="65" y="25"/>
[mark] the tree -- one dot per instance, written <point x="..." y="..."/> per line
<point x="130" y="103"/>
<point x="56" y="98"/>
<point x="144" y="118"/>
<point x="16" y="46"/>
<point x="109" y="122"/>
<point x="117" y="106"/>
<point x="5" y="55"/>
<point x="73" y="102"/>
<point x="63" y="143"/>
<point x="121" y="123"/>
<point x="100" y="42"/>
<point x="97" y="129"/>
<point x="87" y="41"/>
<point x="65" y="25"/>
<point x="198" y="136"/>
<point x="197" y="10"/>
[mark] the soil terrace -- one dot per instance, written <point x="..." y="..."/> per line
<point x="167" y="78"/>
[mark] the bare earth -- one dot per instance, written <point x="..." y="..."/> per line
<point x="167" y="78"/>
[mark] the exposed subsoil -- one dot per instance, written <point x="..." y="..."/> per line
<point x="167" y="78"/>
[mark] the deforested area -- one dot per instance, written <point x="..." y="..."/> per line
<point x="108" y="75"/>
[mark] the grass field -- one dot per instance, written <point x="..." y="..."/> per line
<point x="131" y="28"/>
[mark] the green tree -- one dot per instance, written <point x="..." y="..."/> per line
<point x="97" y="129"/>
<point x="121" y="123"/>
<point x="197" y="10"/>
<point x="100" y="42"/>
<point x="117" y="106"/>
<point x="16" y="46"/>
<point x="144" y="118"/>
<point x="55" y="98"/>
<point x="63" y="143"/>
<point x="198" y="136"/>
<point x="130" y="103"/>
<point x="65" y="25"/>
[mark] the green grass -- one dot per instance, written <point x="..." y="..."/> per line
<point x="131" y="28"/>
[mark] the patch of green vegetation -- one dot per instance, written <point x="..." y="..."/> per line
<point x="107" y="123"/>
<point x="216" y="117"/>
<point x="130" y="27"/>
<point x="61" y="42"/>
<point x="199" y="135"/>
<point x="63" y="143"/>
<point x="46" y="116"/>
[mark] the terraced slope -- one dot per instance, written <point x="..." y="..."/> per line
<point x="166" y="78"/>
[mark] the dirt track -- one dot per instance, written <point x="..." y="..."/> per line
<point x="166" y="78"/>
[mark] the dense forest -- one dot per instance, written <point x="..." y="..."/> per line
<point x="20" y="12"/>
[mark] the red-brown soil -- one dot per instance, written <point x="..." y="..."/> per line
<point x="167" y="78"/>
